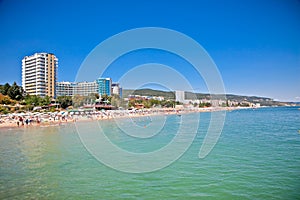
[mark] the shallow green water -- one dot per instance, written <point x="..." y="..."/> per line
<point x="256" y="157"/>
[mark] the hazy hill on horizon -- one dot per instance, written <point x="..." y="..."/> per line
<point x="192" y="96"/>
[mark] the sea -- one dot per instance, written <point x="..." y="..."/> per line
<point x="257" y="156"/>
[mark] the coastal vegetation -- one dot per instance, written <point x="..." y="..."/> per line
<point x="149" y="103"/>
<point x="14" y="99"/>
<point x="241" y="100"/>
<point x="149" y="92"/>
<point x="14" y="92"/>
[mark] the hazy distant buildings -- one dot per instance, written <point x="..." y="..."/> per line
<point x="39" y="74"/>
<point x="104" y="86"/>
<point x="179" y="96"/>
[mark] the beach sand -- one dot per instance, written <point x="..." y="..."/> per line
<point x="50" y="119"/>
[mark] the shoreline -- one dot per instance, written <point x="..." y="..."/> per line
<point x="57" y="119"/>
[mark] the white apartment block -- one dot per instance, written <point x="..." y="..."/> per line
<point x="86" y="88"/>
<point x="72" y="88"/>
<point x="179" y="96"/>
<point x="39" y="74"/>
<point x="116" y="89"/>
<point x="65" y="88"/>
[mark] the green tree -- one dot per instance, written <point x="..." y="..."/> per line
<point x="4" y="110"/>
<point x="154" y="102"/>
<point x="45" y="101"/>
<point x="32" y="100"/>
<point x="106" y="99"/>
<point x="15" y="92"/>
<point x="64" y="101"/>
<point x="91" y="98"/>
<point x="4" y="88"/>
<point x="78" y="101"/>
<point x="167" y="103"/>
<point x="115" y="101"/>
<point x="96" y="95"/>
<point x="203" y="105"/>
<point x="146" y="103"/>
<point x="131" y="103"/>
<point x="4" y="99"/>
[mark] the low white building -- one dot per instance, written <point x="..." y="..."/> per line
<point x="72" y="88"/>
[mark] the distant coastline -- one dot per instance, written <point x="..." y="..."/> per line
<point x="192" y="96"/>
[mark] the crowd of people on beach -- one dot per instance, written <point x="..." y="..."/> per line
<point x="50" y="118"/>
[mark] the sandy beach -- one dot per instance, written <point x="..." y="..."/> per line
<point x="19" y="120"/>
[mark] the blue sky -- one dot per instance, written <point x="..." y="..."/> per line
<point x="255" y="44"/>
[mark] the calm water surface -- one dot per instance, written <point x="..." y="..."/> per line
<point x="257" y="157"/>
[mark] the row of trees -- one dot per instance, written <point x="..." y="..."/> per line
<point x="14" y="91"/>
<point x="78" y="101"/>
<point x="203" y="105"/>
<point x="149" y="103"/>
<point x="13" y="98"/>
<point x="12" y="94"/>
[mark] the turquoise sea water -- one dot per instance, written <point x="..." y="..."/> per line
<point x="256" y="157"/>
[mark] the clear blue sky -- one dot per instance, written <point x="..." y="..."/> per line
<point x="255" y="44"/>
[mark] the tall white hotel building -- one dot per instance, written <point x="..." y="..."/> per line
<point x="39" y="74"/>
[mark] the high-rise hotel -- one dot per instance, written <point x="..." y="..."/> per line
<point x="39" y="74"/>
<point x="104" y="86"/>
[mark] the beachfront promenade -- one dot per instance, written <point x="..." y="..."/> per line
<point x="52" y="118"/>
